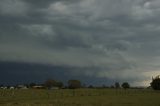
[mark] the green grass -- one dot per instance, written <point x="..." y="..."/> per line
<point x="80" y="97"/>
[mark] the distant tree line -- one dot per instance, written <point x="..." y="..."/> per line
<point x="74" y="84"/>
<point x="71" y="84"/>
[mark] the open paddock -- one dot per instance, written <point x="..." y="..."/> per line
<point x="80" y="97"/>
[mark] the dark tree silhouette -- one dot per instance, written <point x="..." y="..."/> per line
<point x="58" y="84"/>
<point x="49" y="83"/>
<point x="117" y="85"/>
<point x="52" y="83"/>
<point x="125" y="85"/>
<point x="155" y="84"/>
<point x="32" y="84"/>
<point x="73" y="84"/>
<point x="112" y="86"/>
<point x="90" y="86"/>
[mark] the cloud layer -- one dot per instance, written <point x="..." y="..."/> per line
<point x="112" y="39"/>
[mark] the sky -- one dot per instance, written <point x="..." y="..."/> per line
<point x="96" y="41"/>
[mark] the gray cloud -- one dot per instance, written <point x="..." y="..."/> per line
<point x="103" y="39"/>
<point x="13" y="7"/>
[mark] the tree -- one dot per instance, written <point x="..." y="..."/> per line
<point x="125" y="85"/>
<point x="112" y="86"/>
<point x="90" y="86"/>
<point x="155" y="84"/>
<point x="73" y="84"/>
<point x="32" y="84"/>
<point x="117" y="85"/>
<point x="58" y="84"/>
<point x="52" y="83"/>
<point x="49" y="83"/>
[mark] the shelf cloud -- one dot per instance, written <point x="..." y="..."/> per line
<point x="115" y="40"/>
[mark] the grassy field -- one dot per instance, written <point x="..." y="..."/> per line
<point x="80" y="97"/>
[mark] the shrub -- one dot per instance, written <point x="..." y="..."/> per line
<point x="155" y="84"/>
<point x="125" y="85"/>
<point x="73" y="84"/>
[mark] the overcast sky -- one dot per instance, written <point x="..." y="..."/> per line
<point x="113" y="40"/>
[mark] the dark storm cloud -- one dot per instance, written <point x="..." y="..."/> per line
<point x="112" y="39"/>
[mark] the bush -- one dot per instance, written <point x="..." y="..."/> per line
<point x="155" y="84"/>
<point x="52" y="83"/>
<point x="73" y="84"/>
<point x="125" y="85"/>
